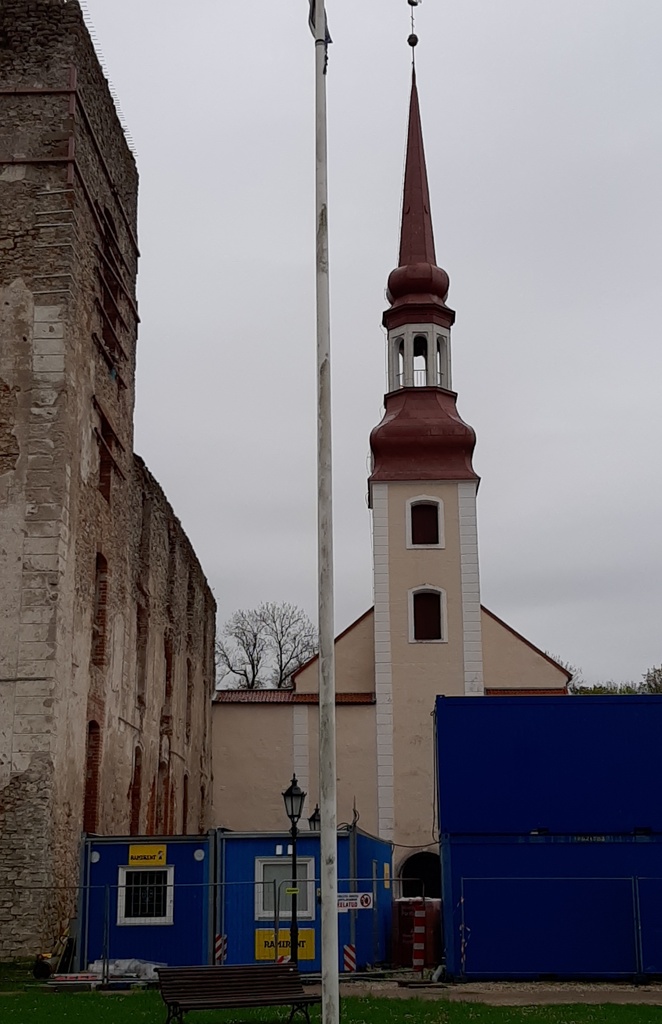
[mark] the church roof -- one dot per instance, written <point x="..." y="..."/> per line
<point x="285" y="697"/>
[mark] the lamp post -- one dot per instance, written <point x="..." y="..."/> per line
<point x="294" y="798"/>
<point x="315" y="820"/>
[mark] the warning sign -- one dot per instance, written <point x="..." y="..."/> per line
<point x="354" y="901"/>
<point x="146" y="856"/>
<point x="264" y="943"/>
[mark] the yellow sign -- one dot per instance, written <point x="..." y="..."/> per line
<point x="264" y="943"/>
<point x="146" y="856"/>
<point x="387" y="876"/>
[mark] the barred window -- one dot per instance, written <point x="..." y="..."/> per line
<point x="145" y="896"/>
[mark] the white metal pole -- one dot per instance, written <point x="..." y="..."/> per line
<point x="327" y="684"/>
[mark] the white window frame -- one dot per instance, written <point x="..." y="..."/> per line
<point x="428" y="588"/>
<point x="146" y="922"/>
<point x="304" y="864"/>
<point x="425" y="499"/>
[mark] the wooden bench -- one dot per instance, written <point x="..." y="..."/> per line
<point x="218" y="988"/>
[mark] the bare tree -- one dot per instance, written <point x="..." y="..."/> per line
<point x="264" y="646"/>
<point x="291" y="637"/>
<point x="241" y="649"/>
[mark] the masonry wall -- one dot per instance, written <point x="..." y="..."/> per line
<point x="106" y="619"/>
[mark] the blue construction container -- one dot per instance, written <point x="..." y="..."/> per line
<point x="551" y="843"/>
<point x="223" y="898"/>
<point x="147" y="899"/>
<point x="565" y="764"/>
<point x="254" y="874"/>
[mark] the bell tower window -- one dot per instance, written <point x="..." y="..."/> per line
<point x="420" y="361"/>
<point x="427" y="615"/>
<point x="425" y="522"/>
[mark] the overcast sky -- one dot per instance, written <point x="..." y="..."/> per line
<point x="544" y="144"/>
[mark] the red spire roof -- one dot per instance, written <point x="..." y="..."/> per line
<point x="416" y="236"/>
<point x="417" y="288"/>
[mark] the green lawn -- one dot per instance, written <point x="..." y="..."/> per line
<point x="37" y="1007"/>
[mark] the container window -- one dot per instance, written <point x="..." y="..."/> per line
<point x="273" y="877"/>
<point x="145" y="896"/>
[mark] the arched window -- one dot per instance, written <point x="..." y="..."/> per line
<point x="189" y="698"/>
<point x="99" y="625"/>
<point x="136" y="786"/>
<point x="420" y="360"/>
<point x="185" y="807"/>
<point x="427" y="615"/>
<point x="425" y="522"/>
<point x="92" y="772"/>
<point x="168" y="658"/>
<point x="400" y="362"/>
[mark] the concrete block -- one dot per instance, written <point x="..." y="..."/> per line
<point x="46" y="314"/>
<point x="53" y="365"/>
<point x="48" y="329"/>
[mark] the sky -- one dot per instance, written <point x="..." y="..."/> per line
<point x="543" y="138"/>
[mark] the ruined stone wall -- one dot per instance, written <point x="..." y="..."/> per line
<point x="96" y="575"/>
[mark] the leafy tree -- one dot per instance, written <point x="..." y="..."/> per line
<point x="264" y="646"/>
<point x="652" y="681"/>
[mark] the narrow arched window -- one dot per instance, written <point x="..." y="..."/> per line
<point x="425" y="523"/>
<point x="420" y="360"/>
<point x="427" y="615"/>
<point x="100" y="622"/>
<point x="136" y="787"/>
<point x="400" y="362"/>
<point x="92" y="773"/>
<point x="185" y="807"/>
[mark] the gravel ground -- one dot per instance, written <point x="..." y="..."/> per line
<point x="503" y="993"/>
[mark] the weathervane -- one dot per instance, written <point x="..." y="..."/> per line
<point x="413" y="38"/>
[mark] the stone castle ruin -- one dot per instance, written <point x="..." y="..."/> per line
<point x="106" y="618"/>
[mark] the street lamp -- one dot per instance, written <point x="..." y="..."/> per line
<point x="314" y="821"/>
<point x="294" y="798"/>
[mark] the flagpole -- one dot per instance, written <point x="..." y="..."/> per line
<point x="327" y="685"/>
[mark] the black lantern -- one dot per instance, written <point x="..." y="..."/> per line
<point x="294" y="798"/>
<point x="314" y="820"/>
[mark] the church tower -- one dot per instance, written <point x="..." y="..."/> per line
<point x="423" y="499"/>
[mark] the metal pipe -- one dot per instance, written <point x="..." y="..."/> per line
<point x="327" y="686"/>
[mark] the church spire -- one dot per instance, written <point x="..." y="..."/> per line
<point x="417" y="288"/>
<point x="416" y="235"/>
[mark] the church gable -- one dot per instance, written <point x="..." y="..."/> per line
<point x="355" y="660"/>
<point x="512" y="663"/>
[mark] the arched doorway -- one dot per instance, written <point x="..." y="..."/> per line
<point x="421" y="875"/>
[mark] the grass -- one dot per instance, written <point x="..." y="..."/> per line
<point x="39" y="1007"/>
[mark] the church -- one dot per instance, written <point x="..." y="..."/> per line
<point x="427" y="633"/>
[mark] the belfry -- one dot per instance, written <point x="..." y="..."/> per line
<point x="422" y="492"/>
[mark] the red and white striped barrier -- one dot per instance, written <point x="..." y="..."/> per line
<point x="418" y="951"/>
<point x="220" y="949"/>
<point x="285" y="959"/>
<point x="349" y="958"/>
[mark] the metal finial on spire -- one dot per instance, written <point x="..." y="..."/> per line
<point x="413" y="38"/>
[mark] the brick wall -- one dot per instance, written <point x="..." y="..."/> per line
<point x="95" y="567"/>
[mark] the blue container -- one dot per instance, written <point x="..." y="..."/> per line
<point x="566" y="906"/>
<point x="254" y="879"/>
<point x="551" y="842"/>
<point x="147" y="899"/>
<point x="565" y="764"/>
